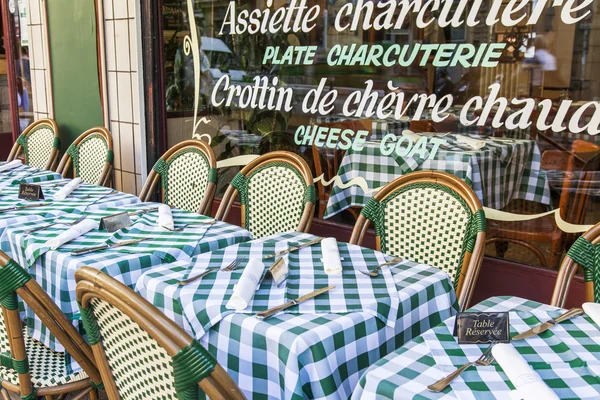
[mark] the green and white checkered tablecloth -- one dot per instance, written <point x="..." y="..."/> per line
<point x="54" y="270"/>
<point x="501" y="171"/>
<point x="567" y="358"/>
<point x="26" y="174"/>
<point x="78" y="202"/>
<point x="300" y="355"/>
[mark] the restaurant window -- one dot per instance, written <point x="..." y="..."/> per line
<point x="530" y="86"/>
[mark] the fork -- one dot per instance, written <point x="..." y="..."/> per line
<point x="485" y="360"/>
<point x="87" y="196"/>
<point x="181" y="228"/>
<point x="78" y="220"/>
<point x="231" y="267"/>
<point x="375" y="272"/>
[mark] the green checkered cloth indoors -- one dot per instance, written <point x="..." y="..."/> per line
<point x="314" y="353"/>
<point x="566" y="358"/>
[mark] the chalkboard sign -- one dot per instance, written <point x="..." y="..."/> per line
<point x="482" y="328"/>
<point x="28" y="191"/>
<point x="113" y="223"/>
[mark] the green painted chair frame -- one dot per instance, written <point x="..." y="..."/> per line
<point x="584" y="253"/>
<point x="160" y="173"/>
<point x="101" y="168"/>
<point x="304" y="211"/>
<point x="16" y="283"/>
<point x="471" y="250"/>
<point x="23" y="145"/>
<point x="192" y="366"/>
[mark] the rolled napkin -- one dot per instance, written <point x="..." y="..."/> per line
<point x="475" y="144"/>
<point x="332" y="262"/>
<point x="165" y="217"/>
<point x="593" y="311"/>
<point x="411" y="135"/>
<point x="244" y="290"/>
<point x="72" y="233"/>
<point x="66" y="190"/>
<point x="528" y="383"/>
<point x="11" y="165"/>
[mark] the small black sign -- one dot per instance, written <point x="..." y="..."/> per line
<point x="28" y="191"/>
<point x="113" y="223"/>
<point x="482" y="328"/>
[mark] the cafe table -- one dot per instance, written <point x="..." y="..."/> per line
<point x="503" y="170"/>
<point x="54" y="270"/>
<point x="317" y="349"/>
<point x="567" y="358"/>
<point x="85" y="198"/>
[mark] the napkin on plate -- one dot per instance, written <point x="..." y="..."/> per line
<point x="66" y="190"/>
<point x="593" y="311"/>
<point x="411" y="135"/>
<point x="72" y="233"/>
<point x="165" y="217"/>
<point x="528" y="383"/>
<point x="332" y="262"/>
<point x="244" y="290"/>
<point x="11" y="165"/>
<point x="475" y="144"/>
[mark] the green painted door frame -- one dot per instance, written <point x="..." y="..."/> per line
<point x="72" y="35"/>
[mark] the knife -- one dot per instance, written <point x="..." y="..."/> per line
<point x="544" y="326"/>
<point x="272" y="311"/>
<point x="142" y="212"/>
<point x="293" y="248"/>
<point x="16" y="208"/>
<point x="107" y="246"/>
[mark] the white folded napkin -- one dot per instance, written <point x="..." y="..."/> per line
<point x="66" y="190"/>
<point x="411" y="135"/>
<point x="72" y="233"/>
<point x="475" y="144"/>
<point x="528" y="383"/>
<point x="11" y="165"/>
<point x="593" y="311"/>
<point x="244" y="290"/>
<point x="332" y="262"/>
<point x="165" y="217"/>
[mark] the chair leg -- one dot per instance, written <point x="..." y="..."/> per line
<point x="555" y="254"/>
<point x="5" y="395"/>
<point x="94" y="395"/>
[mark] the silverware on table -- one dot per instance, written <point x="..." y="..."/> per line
<point x="107" y="246"/>
<point x="272" y="311"/>
<point x="17" y="208"/>
<point x="231" y="267"/>
<point x="485" y="360"/>
<point x="181" y="228"/>
<point x="544" y="326"/>
<point x="294" y="248"/>
<point x="78" y="220"/>
<point x="143" y="212"/>
<point x="375" y="272"/>
<point x="100" y="195"/>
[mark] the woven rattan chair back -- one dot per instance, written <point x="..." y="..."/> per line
<point x="584" y="253"/>
<point x="90" y="156"/>
<point x="39" y="144"/>
<point x="433" y="218"/>
<point x="188" y="175"/>
<point x="29" y="367"/>
<point x="277" y="195"/>
<point x="142" y="354"/>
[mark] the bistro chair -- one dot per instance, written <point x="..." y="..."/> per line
<point x="29" y="368"/>
<point x="187" y="174"/>
<point x="584" y="253"/>
<point x="572" y="205"/>
<point x="142" y="354"/>
<point x="90" y="156"/>
<point x="433" y="218"/>
<point x="39" y="144"/>
<point x="328" y="161"/>
<point x="588" y="152"/>
<point x="276" y="195"/>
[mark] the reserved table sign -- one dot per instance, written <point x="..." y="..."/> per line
<point x="481" y="328"/>
<point x="29" y="191"/>
<point x="113" y="223"/>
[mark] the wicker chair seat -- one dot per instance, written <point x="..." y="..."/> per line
<point x="47" y="367"/>
<point x="428" y="224"/>
<point x="276" y="195"/>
